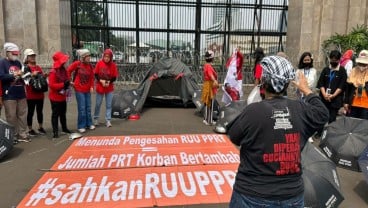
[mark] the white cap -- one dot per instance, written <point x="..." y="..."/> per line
<point x="11" y="47"/>
<point x="26" y="53"/>
<point x="83" y="52"/>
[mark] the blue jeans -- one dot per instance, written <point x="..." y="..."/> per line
<point x="240" y="200"/>
<point x="108" y="100"/>
<point x="84" y="109"/>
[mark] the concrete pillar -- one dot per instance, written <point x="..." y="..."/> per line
<point x="311" y="22"/>
<point x="43" y="25"/>
<point x="2" y="28"/>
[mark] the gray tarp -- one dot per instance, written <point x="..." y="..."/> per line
<point x="168" y="80"/>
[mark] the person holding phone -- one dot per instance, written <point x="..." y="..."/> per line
<point x="356" y="93"/>
<point x="332" y="85"/>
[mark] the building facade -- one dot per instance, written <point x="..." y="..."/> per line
<point x="43" y="25"/>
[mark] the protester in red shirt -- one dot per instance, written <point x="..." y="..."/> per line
<point x="258" y="55"/>
<point x="209" y="89"/>
<point x="58" y="84"/>
<point x="83" y="77"/>
<point x="35" y="99"/>
<point x="106" y="73"/>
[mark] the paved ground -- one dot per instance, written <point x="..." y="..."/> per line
<point x="22" y="168"/>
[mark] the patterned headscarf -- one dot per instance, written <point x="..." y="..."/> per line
<point x="278" y="71"/>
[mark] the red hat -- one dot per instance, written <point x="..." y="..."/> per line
<point x="59" y="59"/>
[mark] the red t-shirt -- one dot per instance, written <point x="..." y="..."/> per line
<point x="83" y="76"/>
<point x="57" y="77"/>
<point x="258" y="75"/>
<point x="30" y="93"/>
<point x="105" y="71"/>
<point x="208" y="70"/>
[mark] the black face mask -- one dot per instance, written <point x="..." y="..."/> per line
<point x="306" y="65"/>
<point x="334" y="64"/>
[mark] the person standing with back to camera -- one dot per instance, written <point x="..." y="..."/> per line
<point x="262" y="181"/>
<point x="209" y="89"/>
<point x="58" y="84"/>
<point x="106" y="73"/>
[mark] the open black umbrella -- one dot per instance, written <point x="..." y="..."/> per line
<point x="345" y="140"/>
<point x="321" y="182"/>
<point x="227" y="114"/>
<point x="6" y="138"/>
<point x="363" y="163"/>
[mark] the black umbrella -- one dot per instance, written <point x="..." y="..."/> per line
<point x="345" y="140"/>
<point x="6" y="138"/>
<point x="363" y="163"/>
<point x="227" y="114"/>
<point x="321" y="182"/>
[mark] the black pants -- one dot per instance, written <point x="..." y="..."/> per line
<point x="32" y="105"/>
<point x="58" y="111"/>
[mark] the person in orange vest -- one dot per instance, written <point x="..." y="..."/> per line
<point x="356" y="93"/>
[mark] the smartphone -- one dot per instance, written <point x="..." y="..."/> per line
<point x="328" y="91"/>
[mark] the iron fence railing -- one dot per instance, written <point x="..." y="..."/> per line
<point x="140" y="32"/>
<point x="133" y="73"/>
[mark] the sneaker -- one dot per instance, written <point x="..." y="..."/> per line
<point x="41" y="131"/>
<point x="206" y="123"/>
<point x="82" y="130"/>
<point x="310" y="140"/>
<point x="25" y="139"/>
<point x="32" y="133"/>
<point x="95" y="122"/>
<point x="92" y="127"/>
<point x="15" y="141"/>
<point x="108" y="124"/>
<point x="66" y="131"/>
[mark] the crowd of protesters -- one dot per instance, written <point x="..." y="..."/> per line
<point x="21" y="97"/>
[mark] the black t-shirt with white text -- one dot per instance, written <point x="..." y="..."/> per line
<point x="272" y="134"/>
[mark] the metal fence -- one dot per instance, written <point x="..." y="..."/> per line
<point x="140" y="32"/>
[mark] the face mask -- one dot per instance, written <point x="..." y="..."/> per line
<point x="334" y="64"/>
<point x="306" y="65"/>
<point x="12" y="57"/>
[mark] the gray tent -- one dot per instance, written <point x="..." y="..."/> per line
<point x="167" y="82"/>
